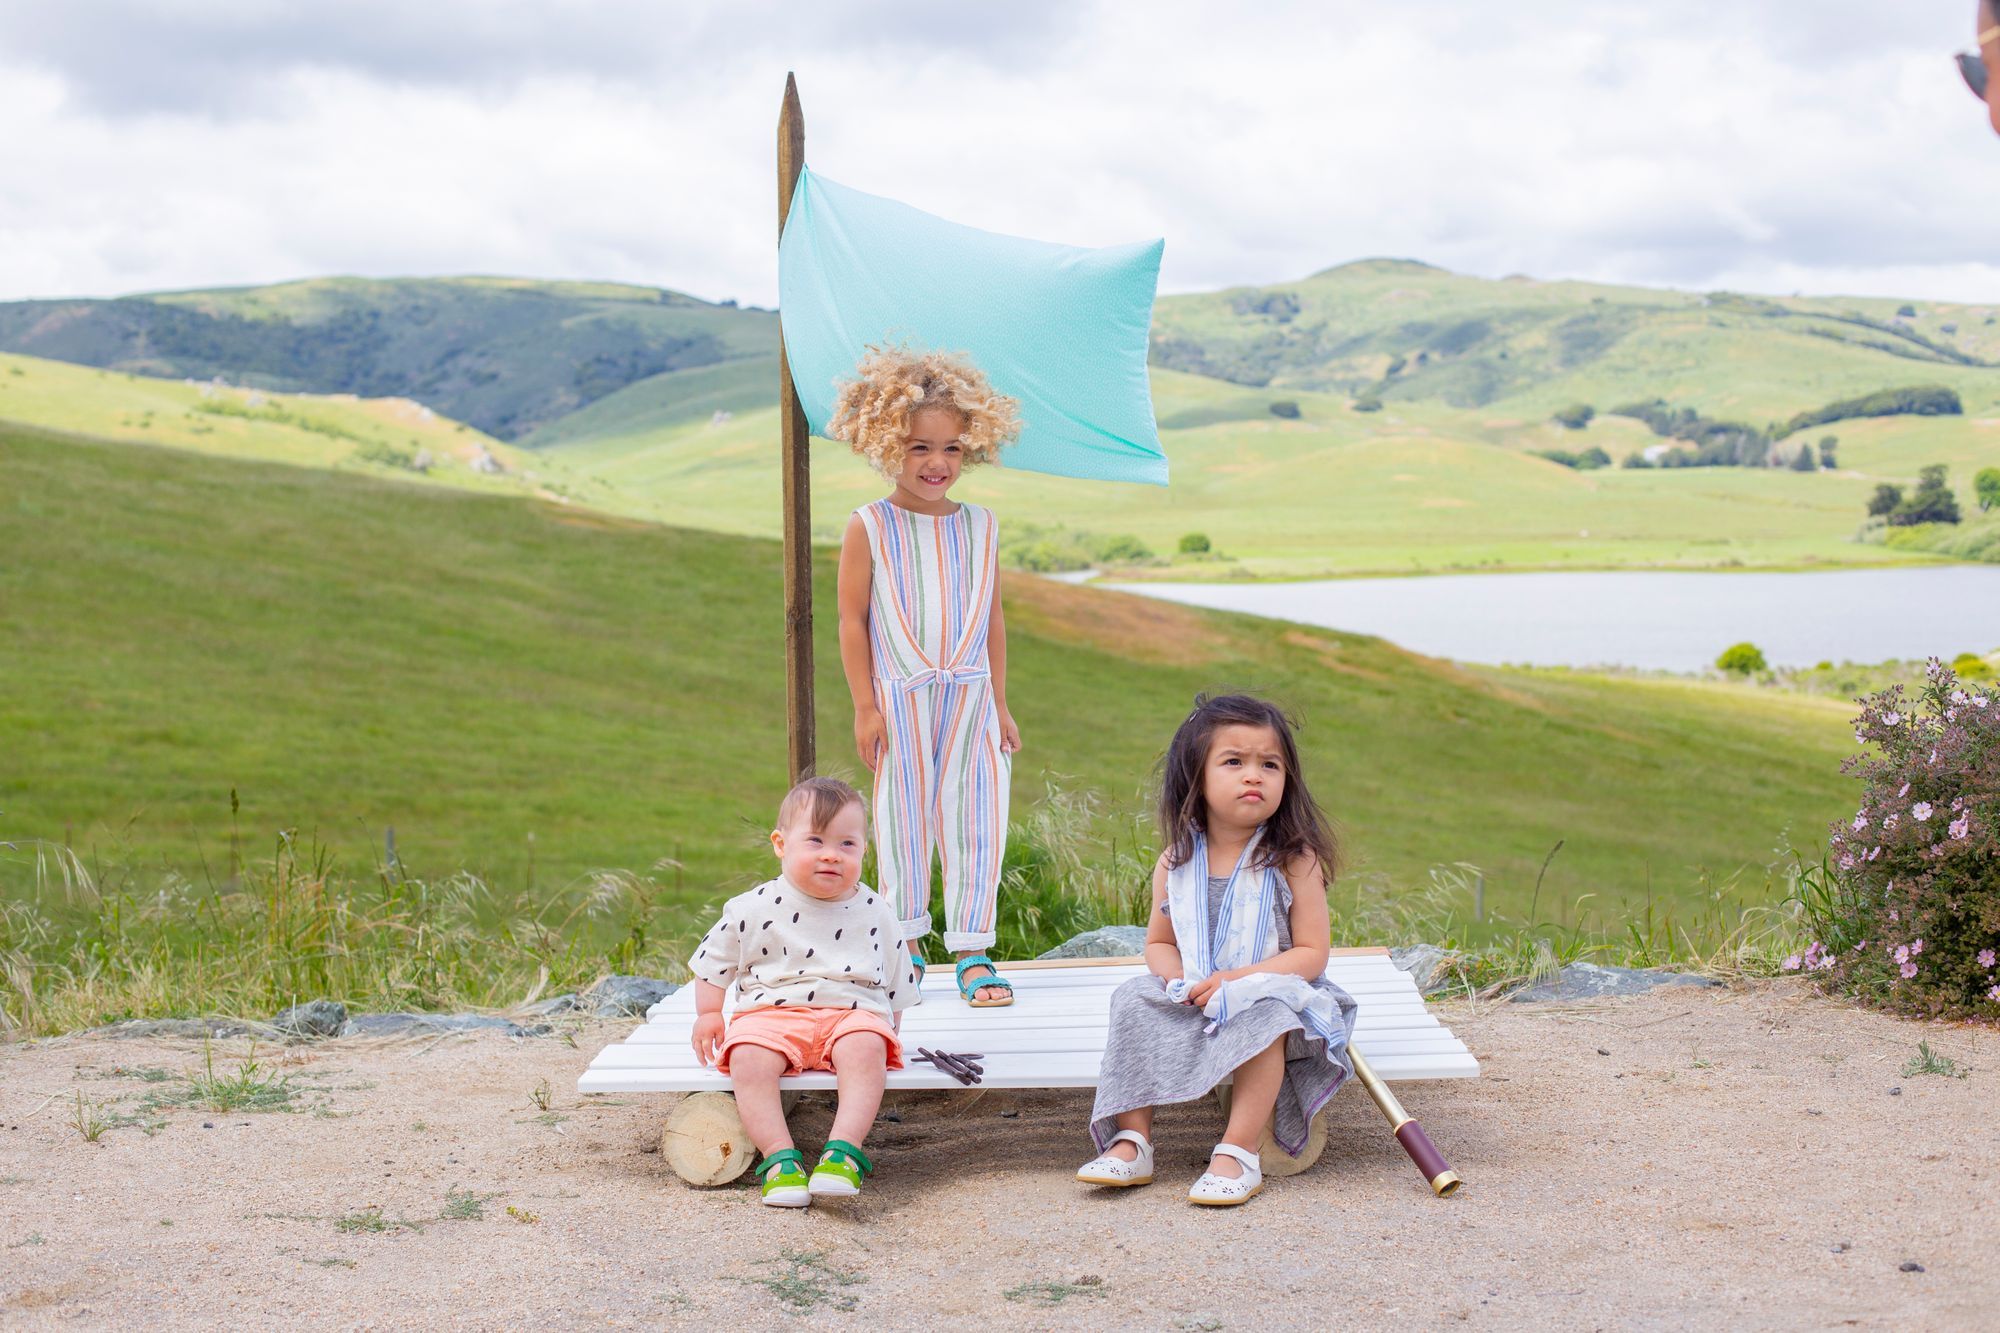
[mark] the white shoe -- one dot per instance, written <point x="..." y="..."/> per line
<point x="1215" y="1191"/>
<point x="1116" y="1171"/>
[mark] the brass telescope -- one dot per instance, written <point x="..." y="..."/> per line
<point x="1408" y="1132"/>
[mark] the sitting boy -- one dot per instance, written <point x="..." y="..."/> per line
<point x="821" y="975"/>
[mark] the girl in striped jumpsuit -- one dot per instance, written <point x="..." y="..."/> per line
<point x="924" y="647"/>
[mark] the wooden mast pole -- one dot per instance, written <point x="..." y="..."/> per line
<point x="798" y="479"/>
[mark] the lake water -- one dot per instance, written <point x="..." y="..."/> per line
<point x="1661" y="621"/>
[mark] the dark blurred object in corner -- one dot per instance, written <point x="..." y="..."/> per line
<point x="1974" y="70"/>
<point x="1976" y="66"/>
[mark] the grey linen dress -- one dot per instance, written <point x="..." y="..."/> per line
<point x="1158" y="1052"/>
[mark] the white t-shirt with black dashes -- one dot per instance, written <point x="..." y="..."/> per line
<point x="785" y="947"/>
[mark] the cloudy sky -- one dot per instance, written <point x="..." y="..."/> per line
<point x="1760" y="145"/>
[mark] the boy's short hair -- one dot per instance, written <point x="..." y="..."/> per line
<point x="817" y="801"/>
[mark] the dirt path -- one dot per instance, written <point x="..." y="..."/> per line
<point x="1685" y="1156"/>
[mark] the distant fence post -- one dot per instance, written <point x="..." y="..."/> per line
<point x="797" y="479"/>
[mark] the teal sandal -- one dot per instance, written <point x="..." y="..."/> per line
<point x="917" y="962"/>
<point x="969" y="989"/>
<point x="785" y="1184"/>
<point x="841" y="1167"/>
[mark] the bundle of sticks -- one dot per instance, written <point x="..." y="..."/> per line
<point x="963" y="1067"/>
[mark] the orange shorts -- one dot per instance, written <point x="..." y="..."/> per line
<point x="804" y="1036"/>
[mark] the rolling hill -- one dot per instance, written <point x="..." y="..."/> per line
<point x="503" y="354"/>
<point x="528" y="691"/>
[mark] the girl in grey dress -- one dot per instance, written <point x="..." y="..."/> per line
<point x="1236" y="949"/>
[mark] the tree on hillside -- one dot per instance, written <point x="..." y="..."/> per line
<point x="1194" y="543"/>
<point x="1885" y="500"/>
<point x="1802" y="461"/>
<point x="1986" y="487"/>
<point x="1576" y="416"/>
<point x="1931" y="502"/>
<point x="1286" y="408"/>
<point x="1368" y="402"/>
<point x="1826" y="447"/>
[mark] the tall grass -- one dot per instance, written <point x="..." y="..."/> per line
<point x="93" y="946"/>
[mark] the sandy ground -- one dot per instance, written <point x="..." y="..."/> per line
<point x="1686" y="1156"/>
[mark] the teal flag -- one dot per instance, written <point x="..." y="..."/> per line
<point x="1062" y="329"/>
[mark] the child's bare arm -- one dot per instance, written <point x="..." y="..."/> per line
<point x="707" y="1021"/>
<point x="996" y="661"/>
<point x="856" y="574"/>
<point x="1163" y="950"/>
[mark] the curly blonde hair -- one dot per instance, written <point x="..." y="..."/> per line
<point x="892" y="384"/>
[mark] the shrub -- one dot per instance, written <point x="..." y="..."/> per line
<point x="1932" y="502"/>
<point x="1924" y="400"/>
<point x="1285" y="408"/>
<point x="1971" y="666"/>
<point x="1743" y="659"/>
<point x="1803" y="460"/>
<point x="1637" y="458"/>
<point x="1986" y="488"/>
<point x="1908" y="915"/>
<point x="1194" y="543"/>
<point x="1123" y="548"/>
<point x="1827" y="444"/>
<point x="1368" y="402"/>
<point x="1906" y="311"/>
<point x="1576" y="416"/>
<point x="1885" y="500"/>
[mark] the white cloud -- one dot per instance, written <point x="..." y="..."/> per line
<point x="1701" y="144"/>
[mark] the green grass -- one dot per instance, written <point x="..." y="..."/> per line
<point x="528" y="693"/>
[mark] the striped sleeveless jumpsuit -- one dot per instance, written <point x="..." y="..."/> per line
<point x="942" y="781"/>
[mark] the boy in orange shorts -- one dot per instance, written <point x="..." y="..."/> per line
<point x="821" y="975"/>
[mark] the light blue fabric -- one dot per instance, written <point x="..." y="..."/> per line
<point x="1062" y="329"/>
<point x="1241" y="935"/>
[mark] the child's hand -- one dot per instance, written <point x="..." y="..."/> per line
<point x="870" y="732"/>
<point x="1010" y="735"/>
<point x="1204" y="990"/>
<point x="707" y="1037"/>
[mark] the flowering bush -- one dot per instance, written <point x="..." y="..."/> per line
<point x="1911" y="915"/>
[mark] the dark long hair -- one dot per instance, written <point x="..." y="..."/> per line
<point x="1297" y="827"/>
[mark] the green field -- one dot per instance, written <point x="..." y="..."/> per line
<point x="529" y="692"/>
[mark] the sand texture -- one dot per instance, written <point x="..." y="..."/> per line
<point x="1678" y="1158"/>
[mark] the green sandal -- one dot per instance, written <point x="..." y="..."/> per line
<point x="969" y="989"/>
<point x="841" y="1167"/>
<point x="785" y="1184"/>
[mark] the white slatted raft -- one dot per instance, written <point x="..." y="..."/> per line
<point x="1052" y="1036"/>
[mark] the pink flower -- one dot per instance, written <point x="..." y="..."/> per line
<point x="1889" y="824"/>
<point x="1902" y="953"/>
<point x="1894" y="915"/>
<point x="1959" y="827"/>
<point x="1847" y="860"/>
<point x="1993" y="994"/>
<point x="1860" y="822"/>
<point x="1824" y="963"/>
<point x="1791" y="963"/>
<point x="1979" y="701"/>
<point x="1904" y="792"/>
<point x="1891" y="719"/>
<point x="1986" y="958"/>
<point x="1920" y="811"/>
<point x="1860" y="739"/>
<point x="1859" y="947"/>
<point x="1908" y="970"/>
<point x="1917" y="947"/>
<point x="1958" y="696"/>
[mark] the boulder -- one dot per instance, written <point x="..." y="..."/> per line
<point x="180" y="1027"/>
<point x="1589" y="981"/>
<point x="549" y="1008"/>
<point x="1427" y="964"/>
<point x="1104" y="942"/>
<point x="423" y="1025"/>
<point x="625" y="997"/>
<point x="314" y="1018"/>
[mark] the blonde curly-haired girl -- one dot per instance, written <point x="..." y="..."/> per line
<point x="925" y="648"/>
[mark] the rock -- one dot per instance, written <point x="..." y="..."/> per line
<point x="1895" y="1092"/>
<point x="1588" y="981"/>
<point x="421" y="1025"/>
<point x="1909" y="1266"/>
<point x="315" y="1018"/>
<point x="1426" y="964"/>
<point x="549" y="1008"/>
<point x="625" y="997"/>
<point x="179" y="1027"/>
<point x="1104" y="942"/>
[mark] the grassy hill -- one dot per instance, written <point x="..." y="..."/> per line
<point x="504" y="354"/>
<point x="527" y="691"/>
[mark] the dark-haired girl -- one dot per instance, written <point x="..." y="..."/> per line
<point x="1237" y="947"/>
